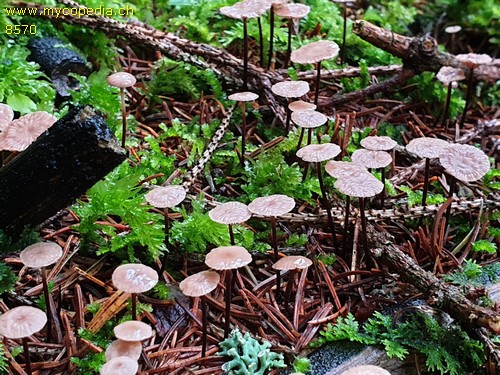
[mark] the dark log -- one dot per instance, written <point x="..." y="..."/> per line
<point x="58" y="62"/>
<point x="445" y="296"/>
<point x="65" y="161"/>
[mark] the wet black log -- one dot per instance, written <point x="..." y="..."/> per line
<point x="58" y="61"/>
<point x="65" y="161"/>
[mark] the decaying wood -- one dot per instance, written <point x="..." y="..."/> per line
<point x="65" y="161"/>
<point x="447" y="297"/>
<point x="419" y="53"/>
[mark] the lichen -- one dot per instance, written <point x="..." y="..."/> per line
<point x="249" y="356"/>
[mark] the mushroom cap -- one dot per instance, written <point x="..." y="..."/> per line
<point x="20" y="133"/>
<point x="245" y="9"/>
<point x="134" y="278"/>
<point x="6" y="115"/>
<point x="300" y="105"/>
<point x="41" y="254"/>
<point x="290" y="89"/>
<point x="272" y="205"/>
<point x="22" y="321"/>
<point x="292" y="10"/>
<point x="121" y="80"/>
<point x="309" y="119"/>
<point x="166" y="196"/>
<point x="448" y="74"/>
<point x="339" y="169"/>
<point x="228" y="257"/>
<point x="363" y="185"/>
<point x="465" y="163"/>
<point x="318" y="153"/>
<point x="120" y="366"/>
<point x="366" y="370"/>
<point x="230" y="213"/>
<point x="371" y="159"/>
<point x="472" y="60"/>
<point x="378" y="143"/>
<point x="120" y="348"/>
<point x="315" y="52"/>
<point x="292" y="262"/>
<point x="133" y="330"/>
<point x="425" y="147"/>
<point x="200" y="283"/>
<point x="452" y="29"/>
<point x="245" y="96"/>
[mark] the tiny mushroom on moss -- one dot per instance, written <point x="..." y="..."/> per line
<point x="292" y="12"/>
<point x="448" y="76"/>
<point x="314" y="53"/>
<point x="244" y="10"/>
<point x="166" y="197"/>
<point x="22" y="132"/>
<point x="120" y="366"/>
<point x="470" y="61"/>
<point x="452" y="30"/>
<point x="227" y="259"/>
<point x="318" y="153"/>
<point x="230" y="213"/>
<point x="300" y="105"/>
<point x="122" y="80"/>
<point x="40" y="255"/>
<point x="134" y="278"/>
<point x="242" y="98"/>
<point x="199" y="285"/>
<point x="20" y="323"/>
<point x="339" y="169"/>
<point x="308" y="120"/>
<point x="290" y="89"/>
<point x="426" y="148"/>
<point x="133" y="331"/>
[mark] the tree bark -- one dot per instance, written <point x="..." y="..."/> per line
<point x="65" y="161"/>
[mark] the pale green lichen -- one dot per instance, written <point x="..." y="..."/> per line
<point x="249" y="356"/>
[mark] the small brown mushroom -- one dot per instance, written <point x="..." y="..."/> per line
<point x="242" y="98"/>
<point x="122" y="80"/>
<point x="314" y="53"/>
<point x="40" y="255"/>
<point x="133" y="331"/>
<point x="199" y="285"/>
<point x="290" y="89"/>
<point x="230" y="213"/>
<point x="308" y="120"/>
<point x="20" y="323"/>
<point x="121" y="348"/>
<point x="300" y="105"/>
<point x="339" y="169"/>
<point x="134" y="278"/>
<point x="227" y="259"/>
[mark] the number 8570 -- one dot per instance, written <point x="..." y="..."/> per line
<point x="20" y="29"/>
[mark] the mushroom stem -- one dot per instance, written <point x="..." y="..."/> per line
<point x="276" y="255"/>
<point x="261" y="45"/>
<point x="204" y="327"/>
<point x="231" y="234"/>
<point x="289" y="48"/>
<point x="327" y="206"/>
<point x="167" y="234"/>
<point x="133" y="297"/>
<point x="346" y="223"/>
<point x="243" y="131"/>
<point x="301" y="137"/>
<point x="289" y="286"/>
<point x="318" y="76"/>
<point x="124" y="117"/>
<point x="382" y="194"/>
<point x="468" y="97"/>
<point x="27" y="355"/>
<point x="453" y="184"/>
<point x="342" y="56"/>
<point x="271" y="37"/>
<point x="229" y="288"/>
<point x="48" y="305"/>
<point x="444" y="123"/>
<point x="364" y="236"/>
<point x="288" y="117"/>
<point x="426" y="181"/>
<point x="245" y="54"/>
